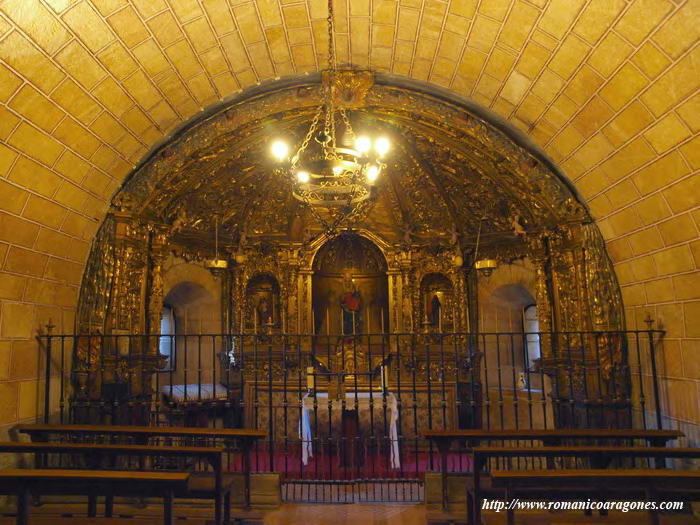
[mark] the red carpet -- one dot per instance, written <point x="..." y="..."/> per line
<point x="326" y="464"/>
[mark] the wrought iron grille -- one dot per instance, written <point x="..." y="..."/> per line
<point x="346" y="410"/>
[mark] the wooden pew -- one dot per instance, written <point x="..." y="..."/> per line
<point x="443" y="439"/>
<point x="620" y="483"/>
<point x="95" y="453"/>
<point x="599" y="456"/>
<point x="23" y="482"/>
<point x="246" y="438"/>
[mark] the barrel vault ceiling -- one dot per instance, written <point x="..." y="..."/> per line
<point x="607" y="88"/>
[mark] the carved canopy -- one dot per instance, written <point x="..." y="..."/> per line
<point x="450" y="165"/>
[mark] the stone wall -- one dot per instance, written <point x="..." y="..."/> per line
<point x="608" y="88"/>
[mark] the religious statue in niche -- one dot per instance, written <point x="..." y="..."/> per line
<point x="264" y="312"/>
<point x="436" y="295"/>
<point x="435" y="310"/>
<point x="351" y="306"/>
<point x="262" y="300"/>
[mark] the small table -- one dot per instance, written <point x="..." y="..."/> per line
<point x="199" y="403"/>
<point x="353" y="401"/>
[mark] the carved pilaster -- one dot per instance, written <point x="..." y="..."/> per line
<point x="566" y="249"/>
<point x="238" y="293"/>
<point x="538" y="253"/>
<point x="306" y="302"/>
<point x="157" y="253"/>
<point x="603" y="291"/>
<point x="461" y="302"/>
<point x="128" y="279"/>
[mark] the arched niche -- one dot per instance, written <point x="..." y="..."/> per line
<point x="504" y="312"/>
<point x="437" y="302"/>
<point x="194" y="294"/>
<point x="510" y="286"/>
<point x="196" y="311"/>
<point x="349" y="275"/>
<point x="262" y="303"/>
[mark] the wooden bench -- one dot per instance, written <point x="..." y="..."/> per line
<point x="94" y="455"/>
<point x="143" y="435"/>
<point x="599" y="456"/>
<point x="23" y="482"/>
<point x="444" y="439"/>
<point x="647" y="483"/>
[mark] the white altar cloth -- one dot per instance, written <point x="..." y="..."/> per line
<point x="194" y="392"/>
<point x="362" y="399"/>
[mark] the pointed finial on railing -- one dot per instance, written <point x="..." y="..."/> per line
<point x="648" y="321"/>
<point x="50" y="326"/>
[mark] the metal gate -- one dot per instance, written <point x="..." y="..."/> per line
<point x="345" y="414"/>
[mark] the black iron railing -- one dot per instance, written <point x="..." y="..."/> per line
<point x="340" y="407"/>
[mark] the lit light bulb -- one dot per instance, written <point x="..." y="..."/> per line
<point x="279" y="150"/>
<point x="372" y="173"/>
<point x="337" y="170"/>
<point x="381" y="146"/>
<point x="303" y="176"/>
<point x="363" y="144"/>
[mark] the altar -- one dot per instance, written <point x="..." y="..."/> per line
<point x="369" y="406"/>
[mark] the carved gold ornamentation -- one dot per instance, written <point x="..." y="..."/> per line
<point x="350" y="88"/>
<point x="451" y="168"/>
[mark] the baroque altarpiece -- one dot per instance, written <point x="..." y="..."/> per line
<point x="459" y="189"/>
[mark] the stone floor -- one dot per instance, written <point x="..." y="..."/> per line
<point x="416" y="515"/>
<point x="365" y="514"/>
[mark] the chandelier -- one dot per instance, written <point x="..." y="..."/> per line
<point x="334" y="177"/>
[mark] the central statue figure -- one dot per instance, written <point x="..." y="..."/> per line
<point x="351" y="304"/>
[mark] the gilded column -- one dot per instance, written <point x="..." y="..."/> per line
<point x="126" y="311"/>
<point x="123" y="361"/>
<point x="155" y="291"/>
<point x="152" y="361"/>
<point x="393" y="278"/>
<point x="306" y="304"/>
<point x="539" y="254"/>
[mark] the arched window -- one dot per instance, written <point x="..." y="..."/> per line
<point x="167" y="337"/>
<point x="531" y="327"/>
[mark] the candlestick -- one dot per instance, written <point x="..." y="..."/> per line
<point x="255" y="320"/>
<point x="382" y="313"/>
<point x="353" y="322"/>
<point x="440" y="319"/>
<point x="328" y="322"/>
<point x="342" y="325"/>
<point x="369" y="323"/>
<point x="313" y="320"/>
<point x="310" y="378"/>
<point x="383" y="379"/>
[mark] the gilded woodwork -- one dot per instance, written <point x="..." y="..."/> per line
<point x="450" y="171"/>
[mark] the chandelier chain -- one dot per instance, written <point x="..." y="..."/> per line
<point x="309" y="134"/>
<point x="329" y="144"/>
<point x="346" y="122"/>
<point x="334" y="180"/>
<point x="331" y="39"/>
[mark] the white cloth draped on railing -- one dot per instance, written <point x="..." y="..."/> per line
<point x="353" y="401"/>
